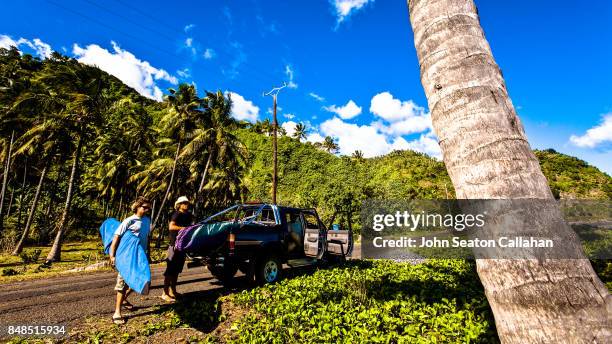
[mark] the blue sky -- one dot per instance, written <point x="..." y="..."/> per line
<point x="350" y="65"/>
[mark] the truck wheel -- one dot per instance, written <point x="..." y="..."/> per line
<point x="224" y="274"/>
<point x="268" y="270"/>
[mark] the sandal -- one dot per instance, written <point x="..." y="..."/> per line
<point x="118" y="320"/>
<point x="167" y="298"/>
<point x="128" y="306"/>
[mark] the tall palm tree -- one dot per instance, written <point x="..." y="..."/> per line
<point x="183" y="117"/>
<point x="300" y="131"/>
<point x="215" y="140"/>
<point x="330" y="145"/>
<point x="357" y="155"/>
<point x="83" y="87"/>
<point x="48" y="134"/>
<point x="488" y="157"/>
<point x="121" y="150"/>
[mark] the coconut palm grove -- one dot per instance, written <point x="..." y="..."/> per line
<point x="78" y="146"/>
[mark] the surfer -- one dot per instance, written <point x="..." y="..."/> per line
<point x="139" y="224"/>
<point x="181" y="219"/>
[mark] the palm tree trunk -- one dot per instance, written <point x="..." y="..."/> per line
<point x="161" y="207"/>
<point x="196" y="197"/>
<point x="487" y="156"/>
<point x="10" y="205"/>
<point x="22" y="193"/>
<point x="55" y="253"/>
<point x="7" y="167"/>
<point x="26" y="230"/>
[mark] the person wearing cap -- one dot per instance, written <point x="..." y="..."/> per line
<point x="181" y="219"/>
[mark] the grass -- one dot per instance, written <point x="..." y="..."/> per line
<point x="74" y="255"/>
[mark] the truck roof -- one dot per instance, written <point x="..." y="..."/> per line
<point x="278" y="206"/>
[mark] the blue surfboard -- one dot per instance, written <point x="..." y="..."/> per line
<point x="130" y="259"/>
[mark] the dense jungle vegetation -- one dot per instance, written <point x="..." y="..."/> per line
<point x="77" y="145"/>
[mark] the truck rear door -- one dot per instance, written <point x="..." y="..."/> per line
<point x="313" y="235"/>
<point x="339" y="242"/>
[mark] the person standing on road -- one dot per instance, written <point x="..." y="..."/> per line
<point x="181" y="219"/>
<point x="140" y="225"/>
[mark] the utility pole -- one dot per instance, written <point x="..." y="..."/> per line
<point x="274" y="93"/>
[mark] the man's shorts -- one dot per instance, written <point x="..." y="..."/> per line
<point x="174" y="262"/>
<point x="120" y="285"/>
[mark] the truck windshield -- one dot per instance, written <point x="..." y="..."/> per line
<point x="226" y="215"/>
<point x="259" y="214"/>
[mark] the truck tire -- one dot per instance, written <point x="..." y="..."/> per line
<point x="268" y="270"/>
<point x="225" y="274"/>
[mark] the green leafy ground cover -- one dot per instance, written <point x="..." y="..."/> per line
<point x="440" y="301"/>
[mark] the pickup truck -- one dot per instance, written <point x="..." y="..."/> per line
<point x="258" y="239"/>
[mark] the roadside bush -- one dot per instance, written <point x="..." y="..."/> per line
<point x="440" y="301"/>
<point x="30" y="257"/>
<point x="9" y="272"/>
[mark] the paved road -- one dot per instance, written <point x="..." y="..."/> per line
<point x="71" y="298"/>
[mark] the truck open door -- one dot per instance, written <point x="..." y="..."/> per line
<point x="340" y="242"/>
<point x="313" y="235"/>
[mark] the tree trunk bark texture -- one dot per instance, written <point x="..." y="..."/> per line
<point x="161" y="207"/>
<point x="487" y="156"/>
<point x="32" y="213"/>
<point x="56" y="250"/>
<point x="7" y="168"/>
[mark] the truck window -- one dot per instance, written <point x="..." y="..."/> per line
<point x="311" y="221"/>
<point x="266" y="217"/>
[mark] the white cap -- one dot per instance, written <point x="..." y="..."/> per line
<point x="182" y="199"/>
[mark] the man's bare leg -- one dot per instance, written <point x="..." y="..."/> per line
<point x="120" y="298"/>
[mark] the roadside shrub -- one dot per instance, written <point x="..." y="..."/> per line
<point x="9" y="272"/>
<point x="440" y="301"/>
<point x="30" y="257"/>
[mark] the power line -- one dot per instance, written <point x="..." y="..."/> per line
<point x="151" y="45"/>
<point x="250" y="69"/>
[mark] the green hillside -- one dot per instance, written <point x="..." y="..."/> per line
<point x="124" y="145"/>
<point x="309" y="176"/>
<point x="570" y="177"/>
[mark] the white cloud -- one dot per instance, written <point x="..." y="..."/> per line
<point x="40" y="48"/>
<point x="289" y="73"/>
<point x="316" y="96"/>
<point x="184" y="73"/>
<point x="314" y="137"/>
<point x="352" y="137"/>
<point x="373" y="142"/>
<point x="399" y="117"/>
<point x="410" y="125"/>
<point x="190" y="46"/>
<point x="243" y="109"/>
<point x="134" y="72"/>
<point x="597" y="135"/>
<point x="289" y="127"/>
<point x="347" y="111"/>
<point x="344" y="8"/>
<point x="209" y="53"/>
<point x="189" y="27"/>
<point x="385" y="106"/>
<point x="288" y="115"/>
<point x="426" y="143"/>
